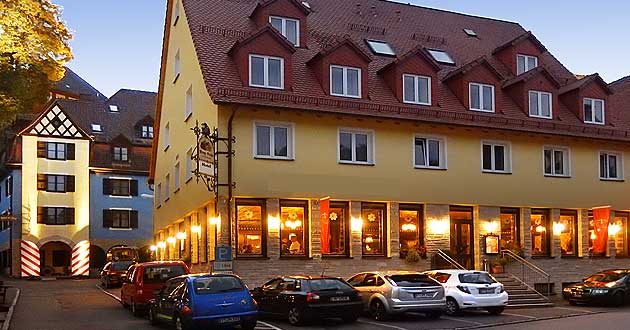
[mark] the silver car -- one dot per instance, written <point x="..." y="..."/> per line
<point x="395" y="292"/>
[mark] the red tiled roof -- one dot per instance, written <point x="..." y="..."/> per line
<point x="530" y="74"/>
<point x="483" y="60"/>
<point x="527" y="35"/>
<point x="585" y="81"/>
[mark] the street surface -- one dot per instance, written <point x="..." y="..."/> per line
<point x="82" y="305"/>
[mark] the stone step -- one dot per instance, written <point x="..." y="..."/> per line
<point x="530" y="295"/>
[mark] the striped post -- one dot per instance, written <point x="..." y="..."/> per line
<point x="30" y="263"/>
<point x="81" y="259"/>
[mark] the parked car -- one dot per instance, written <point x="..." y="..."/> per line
<point x="114" y="273"/>
<point x="395" y="292"/>
<point x="146" y="280"/>
<point x="204" y="301"/>
<point x="608" y="287"/>
<point x="471" y="289"/>
<point x="302" y="299"/>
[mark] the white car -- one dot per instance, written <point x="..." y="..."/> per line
<point x="471" y="289"/>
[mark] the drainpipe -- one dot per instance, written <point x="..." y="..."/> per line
<point x="230" y="174"/>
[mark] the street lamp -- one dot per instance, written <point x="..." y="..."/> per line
<point x="153" y="248"/>
<point x="181" y="236"/>
<point x="197" y="230"/>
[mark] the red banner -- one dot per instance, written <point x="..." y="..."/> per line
<point x="601" y="219"/>
<point x="324" y="213"/>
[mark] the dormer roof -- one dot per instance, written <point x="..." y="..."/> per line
<point x="531" y="74"/>
<point x="416" y="51"/>
<point x="343" y="42"/>
<point x="525" y="36"/>
<point x="264" y="3"/>
<point x="267" y="29"/>
<point x="581" y="83"/>
<point x="483" y="60"/>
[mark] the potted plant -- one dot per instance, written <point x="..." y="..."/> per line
<point x="498" y="265"/>
<point x="412" y="256"/>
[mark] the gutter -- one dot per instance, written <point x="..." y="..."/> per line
<point x="230" y="173"/>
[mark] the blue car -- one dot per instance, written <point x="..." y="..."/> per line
<point x="204" y="301"/>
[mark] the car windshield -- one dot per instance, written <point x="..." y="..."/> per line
<point x="121" y="265"/>
<point x="476" y="278"/>
<point x="218" y="284"/>
<point x="328" y="284"/>
<point x="605" y="277"/>
<point x="412" y="280"/>
<point x="160" y="274"/>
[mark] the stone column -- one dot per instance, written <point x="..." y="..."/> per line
<point x="437" y="227"/>
<point x="612" y="252"/>
<point x="356" y="245"/>
<point x="483" y="215"/>
<point x="273" y="229"/>
<point x="526" y="223"/>
<point x="394" y="233"/>
<point x="556" y="250"/>
<point x="583" y="234"/>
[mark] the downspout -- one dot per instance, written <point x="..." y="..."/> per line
<point x="230" y="174"/>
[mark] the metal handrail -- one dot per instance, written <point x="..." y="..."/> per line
<point x="450" y="260"/>
<point x="531" y="266"/>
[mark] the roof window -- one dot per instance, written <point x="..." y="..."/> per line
<point x="441" y="56"/>
<point x="97" y="128"/>
<point x="113" y="108"/>
<point x="380" y="47"/>
<point x="470" y="32"/>
<point x="306" y="4"/>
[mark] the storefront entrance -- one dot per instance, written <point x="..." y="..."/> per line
<point x="462" y="247"/>
<point x="55" y="259"/>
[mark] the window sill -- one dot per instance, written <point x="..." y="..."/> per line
<point x="188" y="179"/>
<point x="429" y="168"/>
<point x="252" y="258"/>
<point x="347" y="96"/>
<point x="594" y="123"/>
<point x="496" y="172"/>
<point x="176" y="190"/>
<point x="541" y="117"/>
<point x="166" y="148"/>
<point x="558" y="176"/>
<point x="158" y="206"/>
<point x="345" y="162"/>
<point x="188" y="115"/>
<point x="333" y="256"/>
<point x="417" y="103"/>
<point x="612" y="180"/>
<point x="267" y="87"/>
<point x="176" y="20"/>
<point x="285" y="257"/>
<point x="482" y="110"/>
<point x="166" y="199"/>
<point x="120" y="196"/>
<point x="274" y="158"/>
<point x="176" y="77"/>
<point x="375" y="257"/>
<point x="120" y="229"/>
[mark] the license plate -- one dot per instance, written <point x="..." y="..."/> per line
<point x="340" y="299"/>
<point x="486" y="291"/>
<point x="422" y="295"/>
<point x="229" y="319"/>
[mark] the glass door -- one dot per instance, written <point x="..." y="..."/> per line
<point x="462" y="247"/>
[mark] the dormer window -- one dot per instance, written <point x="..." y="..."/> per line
<point x="416" y="89"/>
<point x="441" y="56"/>
<point x="146" y="132"/>
<point x="380" y="48"/>
<point x="288" y="27"/>
<point x="97" y="128"/>
<point x="113" y="108"/>
<point x="266" y="71"/>
<point x="540" y="104"/>
<point x="525" y="63"/>
<point x="345" y="81"/>
<point x="121" y="154"/>
<point x="594" y="111"/>
<point x="481" y="97"/>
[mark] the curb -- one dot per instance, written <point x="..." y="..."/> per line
<point x="7" y="320"/>
<point x="483" y="326"/>
<point x="111" y="295"/>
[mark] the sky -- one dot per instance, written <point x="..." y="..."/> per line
<point x="117" y="43"/>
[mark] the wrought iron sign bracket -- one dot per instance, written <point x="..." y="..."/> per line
<point x="209" y="147"/>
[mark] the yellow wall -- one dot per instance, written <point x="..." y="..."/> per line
<point x="31" y="198"/>
<point x="316" y="173"/>
<point x="191" y="195"/>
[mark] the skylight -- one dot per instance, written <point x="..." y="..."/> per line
<point x="113" y="108"/>
<point x="306" y="4"/>
<point x="380" y="47"/>
<point x="441" y="56"/>
<point x="97" y="128"/>
<point x="470" y="32"/>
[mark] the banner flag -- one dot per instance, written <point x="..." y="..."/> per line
<point x="324" y="212"/>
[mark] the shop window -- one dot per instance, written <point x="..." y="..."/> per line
<point x="597" y="235"/>
<point x="411" y="229"/>
<point x="540" y="232"/>
<point x="567" y="229"/>
<point x="620" y="233"/>
<point x="251" y="229"/>
<point x="373" y="234"/>
<point x="294" y="228"/>
<point x="337" y="231"/>
<point x="510" y="230"/>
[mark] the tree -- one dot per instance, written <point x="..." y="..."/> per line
<point x="33" y="50"/>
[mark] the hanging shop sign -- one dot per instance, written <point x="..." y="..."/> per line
<point x="206" y="157"/>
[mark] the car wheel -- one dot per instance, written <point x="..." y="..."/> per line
<point x="618" y="299"/>
<point x="295" y="316"/>
<point x="152" y="318"/>
<point x="134" y="309"/>
<point x="378" y="311"/>
<point x="433" y="315"/>
<point x="249" y="325"/>
<point x="452" y="307"/>
<point x="495" y="310"/>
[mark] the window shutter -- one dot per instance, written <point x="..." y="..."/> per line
<point x="133" y="187"/>
<point x="69" y="215"/>
<point x="133" y="219"/>
<point x="41" y="214"/>
<point x="41" y="149"/>
<point x="41" y="181"/>
<point x="70" y="151"/>
<point x="107" y="186"/>
<point x="107" y="218"/>
<point x="69" y="183"/>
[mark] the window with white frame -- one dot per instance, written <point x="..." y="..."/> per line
<point x="481" y="97"/>
<point x="167" y="136"/>
<point x="429" y="152"/>
<point x="167" y="186"/>
<point x="556" y="161"/>
<point x="594" y="111"/>
<point x="176" y="175"/>
<point x="416" y="89"/>
<point x="610" y="165"/>
<point x="288" y="27"/>
<point x="189" y="103"/>
<point x="121" y="154"/>
<point x="345" y="81"/>
<point x="356" y="146"/>
<point x="177" y="66"/>
<point x="266" y="71"/>
<point x="540" y="104"/>
<point x="273" y="140"/>
<point x="146" y="132"/>
<point x="97" y="128"/>
<point x="495" y="157"/>
<point x="525" y="63"/>
<point x="189" y="164"/>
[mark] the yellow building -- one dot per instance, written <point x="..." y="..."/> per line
<point x="365" y="132"/>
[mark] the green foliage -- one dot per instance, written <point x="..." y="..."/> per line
<point x="412" y="256"/>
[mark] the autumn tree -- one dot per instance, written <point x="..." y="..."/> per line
<point x="33" y="50"/>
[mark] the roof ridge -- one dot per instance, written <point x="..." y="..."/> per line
<point x="620" y="80"/>
<point x="83" y="80"/>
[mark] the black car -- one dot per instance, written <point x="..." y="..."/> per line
<point x="302" y="299"/>
<point x="114" y="273"/>
<point x="610" y="287"/>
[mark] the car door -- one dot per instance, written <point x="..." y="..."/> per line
<point x="171" y="298"/>
<point x="357" y="282"/>
<point x="284" y="299"/>
<point x="104" y="271"/>
<point x="267" y="295"/>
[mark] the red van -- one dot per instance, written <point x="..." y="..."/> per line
<point x="145" y="280"/>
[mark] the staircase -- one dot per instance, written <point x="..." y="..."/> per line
<point x="521" y="296"/>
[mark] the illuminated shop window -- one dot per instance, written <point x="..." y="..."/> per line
<point x="293" y="228"/>
<point x="540" y="232"/>
<point x="251" y="228"/>
<point x="373" y="236"/>
<point x="337" y="230"/>
<point x="567" y="229"/>
<point x="619" y="231"/>
<point x="411" y="229"/>
<point x="510" y="230"/>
